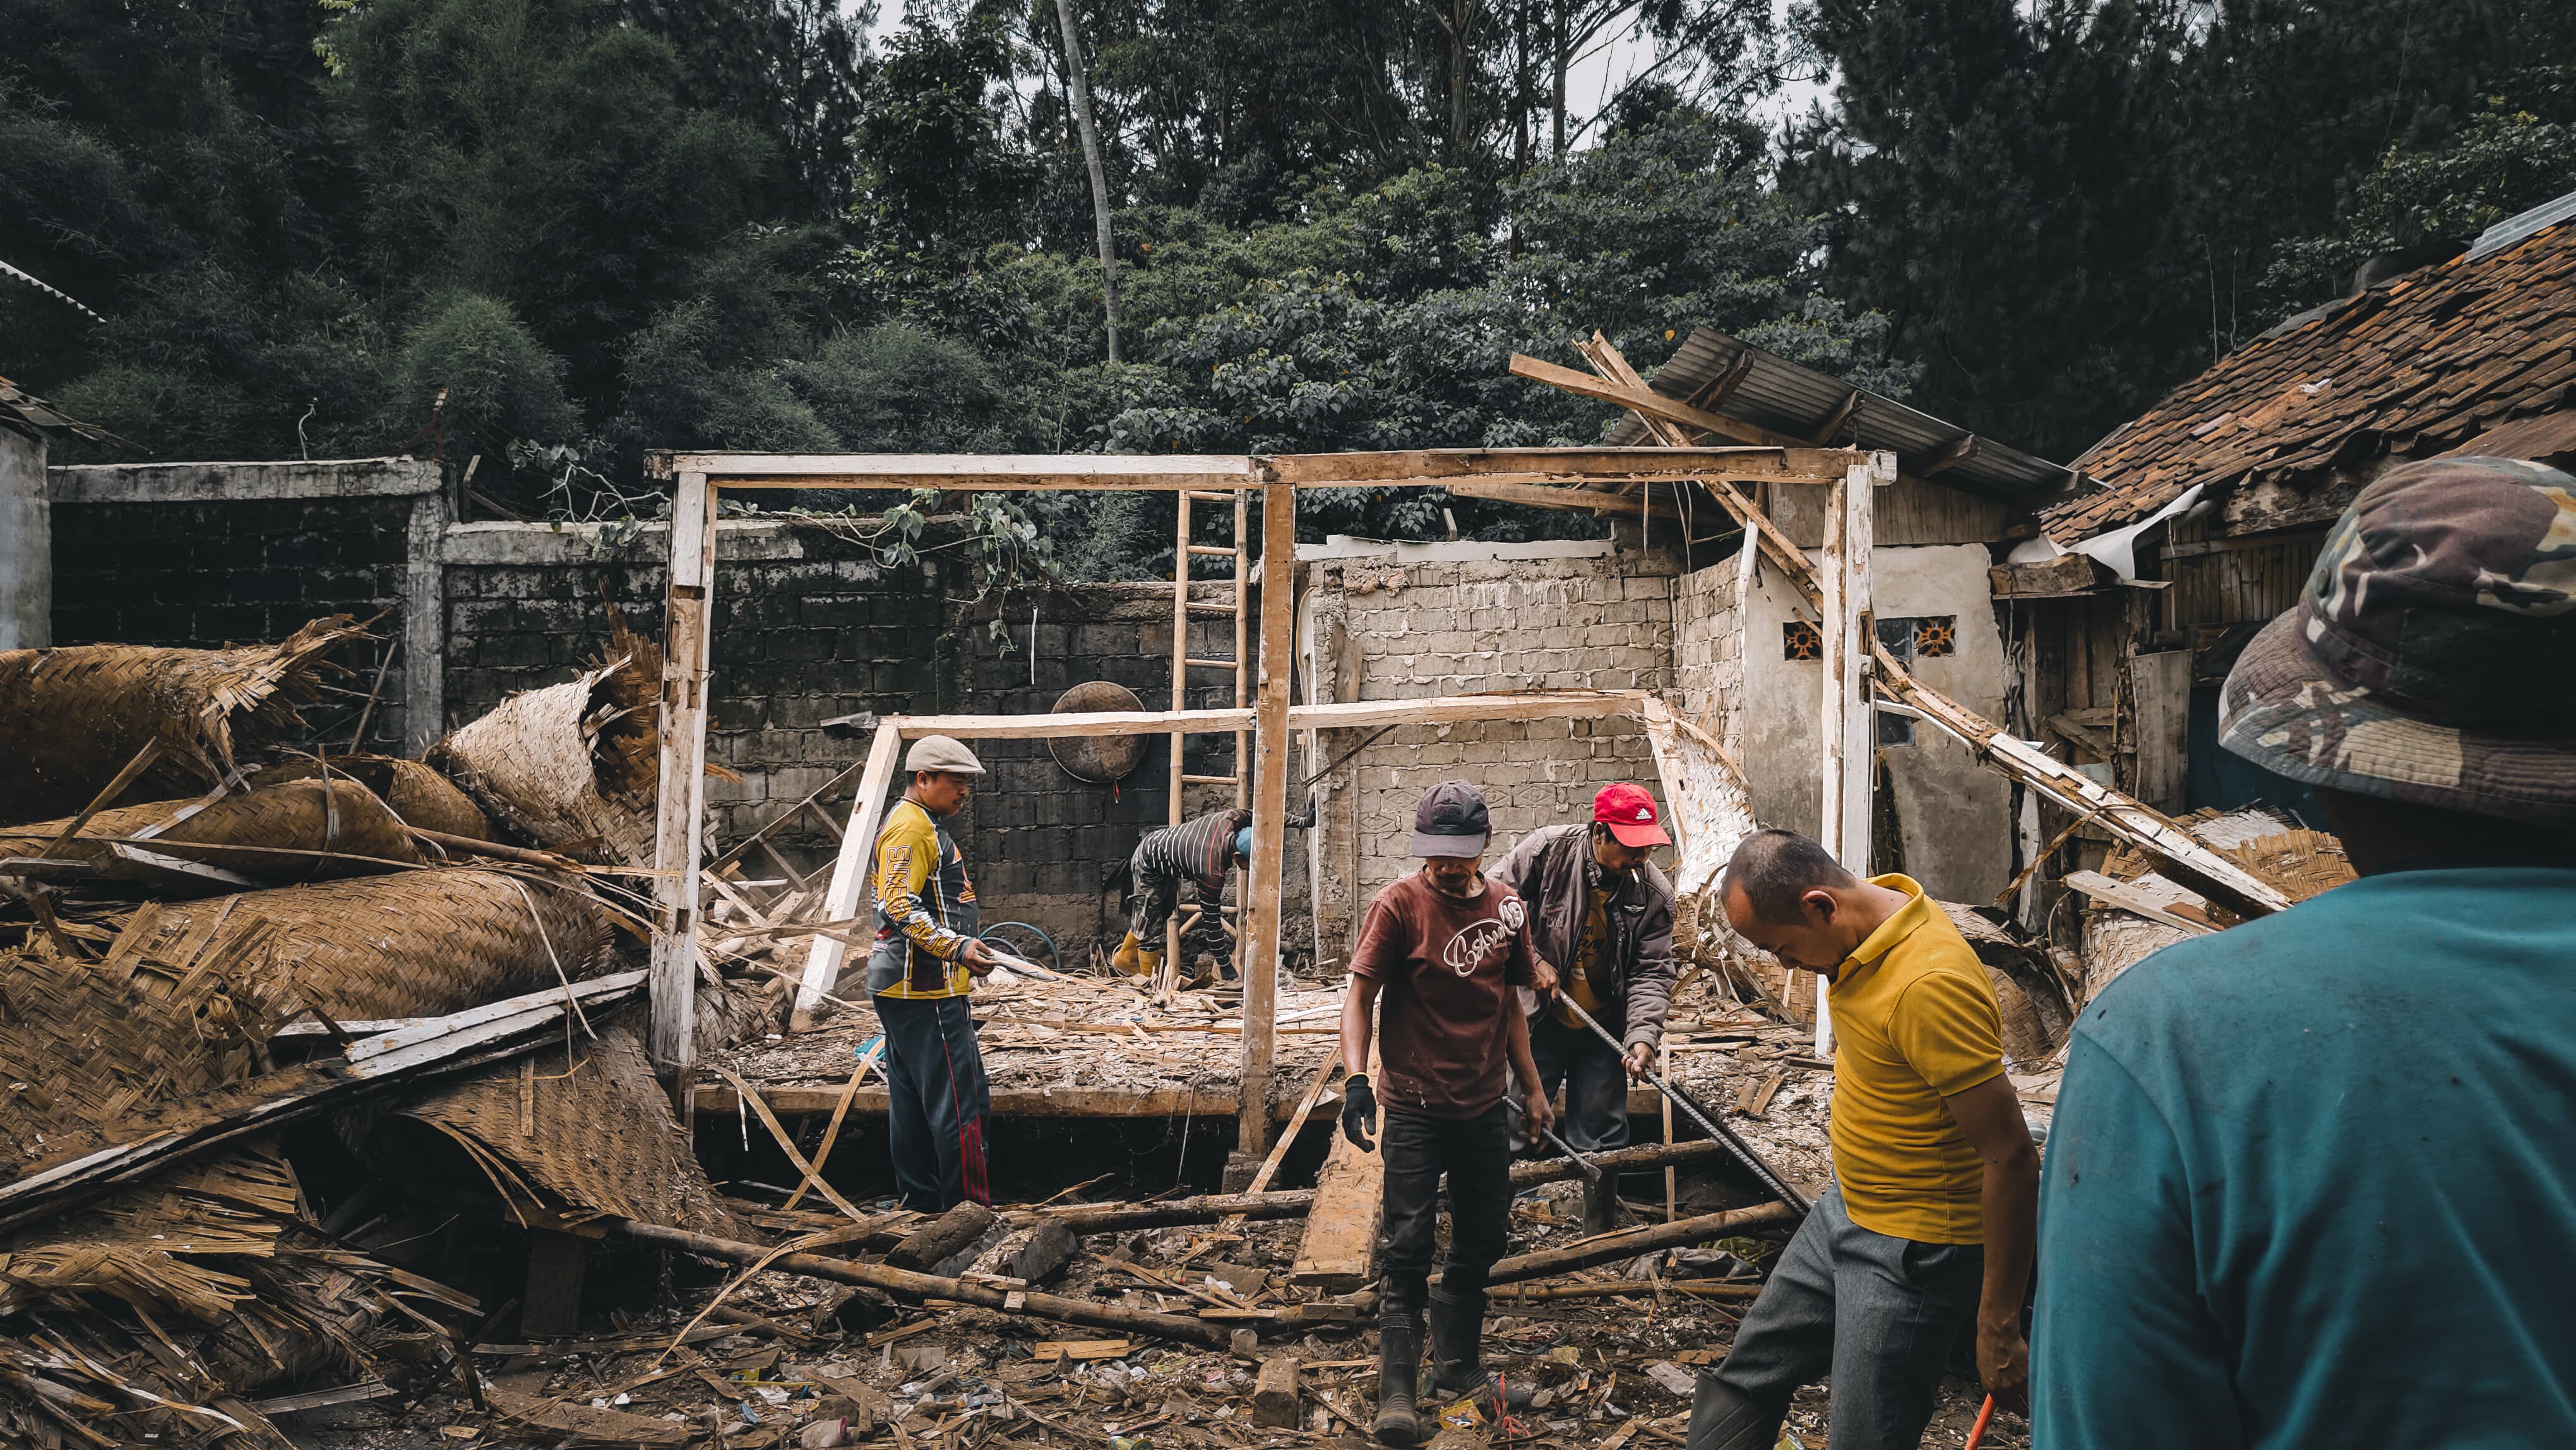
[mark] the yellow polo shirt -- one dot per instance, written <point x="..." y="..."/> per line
<point x="1915" y="1021"/>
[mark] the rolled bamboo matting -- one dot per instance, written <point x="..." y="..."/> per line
<point x="589" y="1133"/>
<point x="315" y="830"/>
<point x="415" y="791"/>
<point x="413" y="944"/>
<point x="572" y="766"/>
<point x="71" y="718"/>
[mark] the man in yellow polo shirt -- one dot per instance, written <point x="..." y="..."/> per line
<point x="1927" y="1232"/>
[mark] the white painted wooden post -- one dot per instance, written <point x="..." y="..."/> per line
<point x="844" y="899"/>
<point x="688" y="629"/>
<point x="1849" y="730"/>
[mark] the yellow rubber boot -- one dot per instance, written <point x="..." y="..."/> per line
<point x="1127" y="959"/>
<point x="1148" y="964"/>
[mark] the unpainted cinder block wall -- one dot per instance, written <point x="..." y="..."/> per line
<point x="1393" y="622"/>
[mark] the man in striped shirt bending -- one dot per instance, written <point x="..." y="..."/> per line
<point x="1202" y="850"/>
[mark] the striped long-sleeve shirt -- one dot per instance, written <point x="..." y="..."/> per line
<point x="1199" y="850"/>
<point x="923" y="896"/>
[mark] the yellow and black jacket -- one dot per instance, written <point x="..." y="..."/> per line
<point x="925" y="909"/>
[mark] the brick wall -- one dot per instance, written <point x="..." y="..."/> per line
<point x="1708" y="652"/>
<point x="1037" y="838"/>
<point x="1395" y="622"/>
<point x="201" y="555"/>
<point x="808" y="629"/>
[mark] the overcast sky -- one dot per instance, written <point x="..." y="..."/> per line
<point x="1596" y="76"/>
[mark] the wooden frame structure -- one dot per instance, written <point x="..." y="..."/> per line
<point x="1561" y="477"/>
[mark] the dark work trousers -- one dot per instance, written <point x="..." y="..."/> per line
<point x="939" y="1102"/>
<point x="1476" y="1154"/>
<point x="1879" y="1314"/>
<point x="1594" y="1079"/>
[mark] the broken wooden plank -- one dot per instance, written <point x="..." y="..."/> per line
<point x="1339" y="1250"/>
<point x="1629" y="1243"/>
<point x="417" y="1053"/>
<point x="907" y="1284"/>
<point x="841" y="899"/>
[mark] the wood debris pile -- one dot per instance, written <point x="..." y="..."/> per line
<point x="207" y="938"/>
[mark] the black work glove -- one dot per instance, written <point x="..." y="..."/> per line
<point x="1359" y="1109"/>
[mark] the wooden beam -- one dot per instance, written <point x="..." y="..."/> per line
<point x="2061" y="785"/>
<point x="1777" y="456"/>
<point x="557" y="1264"/>
<point x="1850" y="752"/>
<point x="1640" y="399"/>
<point x="1339" y="1250"/>
<point x="1948" y="458"/>
<point x="978" y="471"/>
<point x="688" y="631"/>
<point x="1261" y="914"/>
<point x="1629" y="1243"/>
<point x="1352" y="715"/>
<point x="1723" y="386"/>
<point x="842" y="896"/>
<point x="1598" y="502"/>
<point x="1834" y="425"/>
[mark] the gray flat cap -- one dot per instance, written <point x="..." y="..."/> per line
<point x="938" y="752"/>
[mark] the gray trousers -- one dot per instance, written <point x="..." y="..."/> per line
<point x="1879" y="1314"/>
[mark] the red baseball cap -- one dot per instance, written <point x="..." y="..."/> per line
<point x="1630" y="814"/>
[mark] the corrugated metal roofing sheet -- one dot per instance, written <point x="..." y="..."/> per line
<point x="1788" y="397"/>
<point x="2416" y="366"/>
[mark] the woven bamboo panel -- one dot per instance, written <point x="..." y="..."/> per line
<point x="414" y="944"/>
<point x="417" y="793"/>
<point x="572" y="766"/>
<point x="314" y="830"/>
<point x="588" y="1135"/>
<point x="71" y="718"/>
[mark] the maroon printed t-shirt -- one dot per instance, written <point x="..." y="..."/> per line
<point x="1446" y="968"/>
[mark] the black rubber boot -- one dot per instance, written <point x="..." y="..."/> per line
<point x="1724" y="1418"/>
<point x="1457" y="1341"/>
<point x="1399" y="1361"/>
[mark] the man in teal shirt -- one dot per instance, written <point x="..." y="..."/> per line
<point x="2312" y="1180"/>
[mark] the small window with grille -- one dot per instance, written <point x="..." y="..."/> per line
<point x="1800" y="641"/>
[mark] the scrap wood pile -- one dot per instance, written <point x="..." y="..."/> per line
<point x="209" y="936"/>
<point x="1174" y="1322"/>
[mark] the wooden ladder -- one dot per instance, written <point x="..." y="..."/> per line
<point x="1184" y="550"/>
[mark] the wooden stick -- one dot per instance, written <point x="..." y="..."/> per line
<point x="1628" y="1243"/>
<point x="1523" y="1293"/>
<point x="544" y="860"/>
<point x="1296" y="1122"/>
<point x="912" y="1285"/>
<point x="1294" y="1202"/>
<point x="832" y="1134"/>
<point x="787" y="1144"/>
<point x="141" y="762"/>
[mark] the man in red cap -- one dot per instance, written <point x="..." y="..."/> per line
<point x="1603" y="918"/>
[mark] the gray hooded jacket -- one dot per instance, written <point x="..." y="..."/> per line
<point x="1551" y="868"/>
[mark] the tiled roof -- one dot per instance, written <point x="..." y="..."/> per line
<point x="2415" y="366"/>
<point x="33" y="414"/>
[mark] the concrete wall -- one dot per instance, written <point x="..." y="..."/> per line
<point x="201" y="555"/>
<point x="1952" y="815"/>
<point x="26" y="543"/>
<point x="1410" y="621"/>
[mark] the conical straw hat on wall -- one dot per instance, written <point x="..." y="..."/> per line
<point x="71" y="718"/>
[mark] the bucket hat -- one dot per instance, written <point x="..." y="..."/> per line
<point x="2432" y="656"/>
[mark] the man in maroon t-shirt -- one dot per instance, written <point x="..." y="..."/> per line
<point x="1441" y="951"/>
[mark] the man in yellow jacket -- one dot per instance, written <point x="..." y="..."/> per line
<point x="1926" y="1235"/>
<point x="925" y="962"/>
